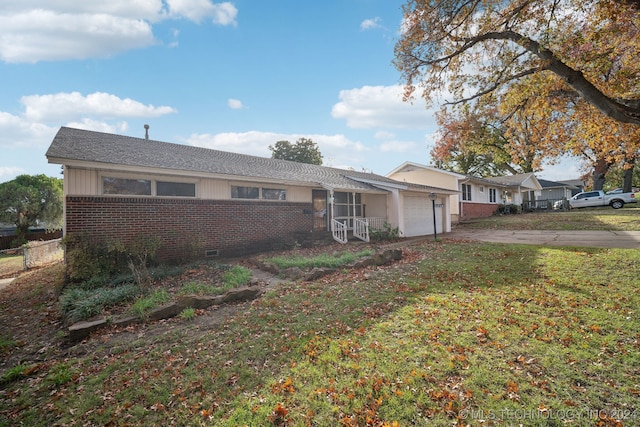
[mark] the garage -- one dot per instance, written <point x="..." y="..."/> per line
<point x="418" y="216"/>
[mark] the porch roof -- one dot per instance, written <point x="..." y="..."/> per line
<point x="83" y="148"/>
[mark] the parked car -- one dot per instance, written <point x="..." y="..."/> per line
<point x="599" y="198"/>
<point x="619" y="191"/>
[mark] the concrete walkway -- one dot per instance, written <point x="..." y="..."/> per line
<point x="597" y="239"/>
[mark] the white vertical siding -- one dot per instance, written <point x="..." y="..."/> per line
<point x="81" y="182"/>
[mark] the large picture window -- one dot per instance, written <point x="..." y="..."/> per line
<point x="123" y="186"/>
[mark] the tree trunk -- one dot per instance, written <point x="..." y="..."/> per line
<point x="627" y="178"/>
<point x="600" y="172"/>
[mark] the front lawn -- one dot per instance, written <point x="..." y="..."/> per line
<point x="11" y="264"/>
<point x="604" y="218"/>
<point x="454" y="334"/>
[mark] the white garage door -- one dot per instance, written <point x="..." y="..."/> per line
<point x="418" y="216"/>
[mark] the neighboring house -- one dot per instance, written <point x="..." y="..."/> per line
<point x="475" y="197"/>
<point x="203" y="202"/>
<point x="553" y="191"/>
<point x="423" y="174"/>
<point x="576" y="185"/>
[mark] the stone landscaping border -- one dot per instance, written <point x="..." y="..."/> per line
<point x="81" y="330"/>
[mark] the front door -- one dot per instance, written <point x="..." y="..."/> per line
<point x="320" y="211"/>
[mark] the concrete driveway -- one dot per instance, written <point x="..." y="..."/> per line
<point x="597" y="239"/>
<point x="5" y="282"/>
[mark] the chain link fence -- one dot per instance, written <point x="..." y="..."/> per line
<point x="31" y="255"/>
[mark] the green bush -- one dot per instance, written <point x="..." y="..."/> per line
<point x="89" y="258"/>
<point x="508" y="209"/>
<point x="386" y="233"/>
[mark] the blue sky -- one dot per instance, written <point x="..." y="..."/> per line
<point x="234" y="76"/>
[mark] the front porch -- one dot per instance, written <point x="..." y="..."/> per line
<point x="344" y="213"/>
<point x="362" y="228"/>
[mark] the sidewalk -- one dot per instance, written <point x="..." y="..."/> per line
<point x="597" y="239"/>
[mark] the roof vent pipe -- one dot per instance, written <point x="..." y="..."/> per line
<point x="146" y="132"/>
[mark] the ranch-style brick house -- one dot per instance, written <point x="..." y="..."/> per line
<point x="207" y="203"/>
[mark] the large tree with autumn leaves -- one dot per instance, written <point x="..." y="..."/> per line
<point x="574" y="62"/>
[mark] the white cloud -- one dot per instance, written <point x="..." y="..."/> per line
<point x="335" y="149"/>
<point x="74" y="106"/>
<point x="99" y="126"/>
<point x="45" y="35"/>
<point x="370" y="24"/>
<point x="397" y="146"/>
<point x="9" y="173"/>
<point x="375" y="107"/>
<point x="44" y="30"/>
<point x="235" y="104"/>
<point x="383" y="134"/>
<point x="18" y="132"/>
<point x="196" y="10"/>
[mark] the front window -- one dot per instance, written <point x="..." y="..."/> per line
<point x="274" y="194"/>
<point x="123" y="186"/>
<point x="492" y="195"/>
<point x="466" y="192"/>
<point x="238" y="192"/>
<point x="179" y="189"/>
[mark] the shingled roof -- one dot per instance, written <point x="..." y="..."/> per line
<point x="74" y="146"/>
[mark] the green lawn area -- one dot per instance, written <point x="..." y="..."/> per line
<point x="604" y="218"/>
<point x="455" y="334"/>
<point x="10" y="264"/>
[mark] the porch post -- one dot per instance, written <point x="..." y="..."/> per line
<point x="353" y="220"/>
<point x="331" y="198"/>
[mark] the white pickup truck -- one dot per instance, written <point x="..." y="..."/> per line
<point x="599" y="198"/>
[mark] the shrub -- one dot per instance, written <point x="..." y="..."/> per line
<point x="386" y="233"/>
<point x="88" y="257"/>
<point x="508" y="209"/>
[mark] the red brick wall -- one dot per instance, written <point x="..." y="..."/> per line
<point x="189" y="227"/>
<point x="476" y="210"/>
